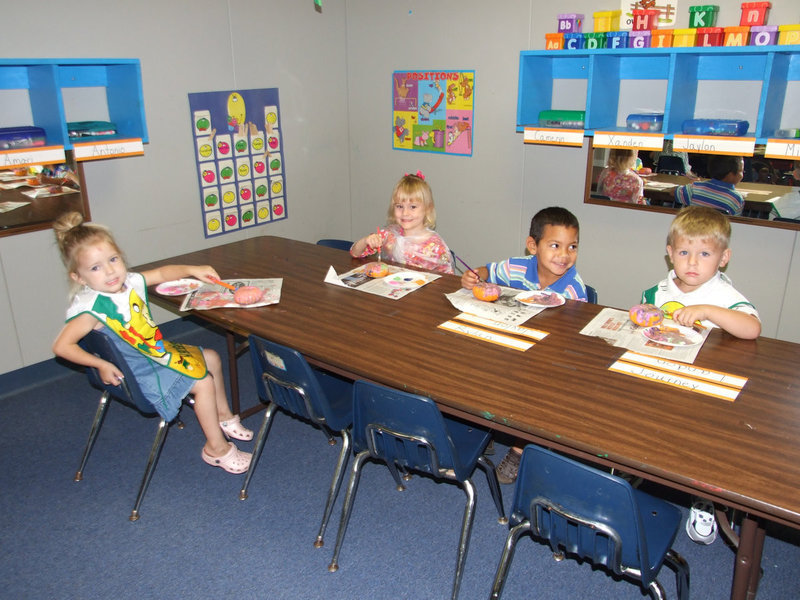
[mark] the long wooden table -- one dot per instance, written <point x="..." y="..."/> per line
<point x="744" y="454"/>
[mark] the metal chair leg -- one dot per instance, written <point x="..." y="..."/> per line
<point x="505" y="559"/>
<point x="99" y="415"/>
<point x="466" y="532"/>
<point x="347" y="507"/>
<point x="336" y="484"/>
<point x="258" y="448"/>
<point x="682" y="573"/>
<point x="494" y="487"/>
<point x="155" y="452"/>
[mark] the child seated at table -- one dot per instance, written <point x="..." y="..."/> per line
<point x="552" y="247"/>
<point x="697" y="245"/>
<point x="719" y="192"/>
<point x="409" y="237"/>
<point x="618" y="180"/>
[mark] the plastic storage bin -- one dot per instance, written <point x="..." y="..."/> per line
<point x="570" y="119"/>
<point x="754" y="13"/>
<point x="736" y="36"/>
<point x="703" y="16"/>
<point x="684" y="38"/>
<point x="645" y="121"/>
<point x="730" y="127"/>
<point x="21" y="137"/>
<point x="607" y="20"/>
<point x="763" y="35"/>
<point x="710" y="36"/>
<point x="788" y="35"/>
<point x="570" y="23"/>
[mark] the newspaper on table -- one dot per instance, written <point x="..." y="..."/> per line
<point x="506" y="309"/>
<point x="616" y="328"/>
<point x="210" y="295"/>
<point x="400" y="281"/>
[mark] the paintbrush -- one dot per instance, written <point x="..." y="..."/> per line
<point x="223" y="284"/>
<point x="473" y="271"/>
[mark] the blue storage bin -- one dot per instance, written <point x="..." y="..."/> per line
<point x="645" y="121"/>
<point x="730" y="127"/>
<point x="21" y="137"/>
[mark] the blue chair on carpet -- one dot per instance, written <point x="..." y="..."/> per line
<point x="591" y="295"/>
<point x="334" y="243"/>
<point x="285" y="380"/>
<point x="596" y="516"/>
<point x="408" y="433"/>
<point x="129" y="394"/>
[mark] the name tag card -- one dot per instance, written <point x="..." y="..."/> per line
<point x="464" y="325"/>
<point x="527" y="332"/>
<point x="688" y="377"/>
<point x="23" y="157"/>
<point x="550" y="135"/>
<point x="736" y="146"/>
<point x="778" y="148"/>
<point x="637" y="141"/>
<point x="108" y="149"/>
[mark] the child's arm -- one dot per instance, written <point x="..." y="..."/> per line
<point x="371" y="242"/>
<point x="469" y="280"/>
<point x="169" y="272"/>
<point x="740" y="324"/>
<point x="66" y="346"/>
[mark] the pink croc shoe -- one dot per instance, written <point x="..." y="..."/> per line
<point x="233" y="461"/>
<point x="233" y="428"/>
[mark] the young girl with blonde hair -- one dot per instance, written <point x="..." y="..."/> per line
<point x="618" y="180"/>
<point x="106" y="297"/>
<point x="409" y="237"/>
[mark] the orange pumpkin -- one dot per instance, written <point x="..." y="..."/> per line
<point x="646" y="315"/>
<point x="488" y="292"/>
<point x="376" y="269"/>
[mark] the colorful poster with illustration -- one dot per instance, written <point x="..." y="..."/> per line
<point x="432" y="111"/>
<point x="240" y="158"/>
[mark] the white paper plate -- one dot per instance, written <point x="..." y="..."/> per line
<point x="540" y="299"/>
<point x="405" y="279"/>
<point x="179" y="287"/>
<point x="672" y="335"/>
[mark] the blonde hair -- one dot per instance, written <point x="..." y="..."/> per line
<point x="621" y="159"/>
<point x="700" y="222"/>
<point x="414" y="187"/>
<point x="73" y="235"/>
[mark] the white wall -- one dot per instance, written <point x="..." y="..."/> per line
<point x="333" y="71"/>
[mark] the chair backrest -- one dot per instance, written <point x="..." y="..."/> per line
<point x="671" y="165"/>
<point x="583" y="510"/>
<point x="128" y="391"/>
<point x="334" y="243"/>
<point x="290" y="382"/>
<point x="402" y="428"/>
<point x="591" y="295"/>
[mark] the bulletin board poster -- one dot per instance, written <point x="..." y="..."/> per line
<point x="432" y="111"/>
<point x="240" y="159"/>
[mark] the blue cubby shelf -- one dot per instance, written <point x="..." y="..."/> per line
<point x="686" y="72"/>
<point x="46" y="79"/>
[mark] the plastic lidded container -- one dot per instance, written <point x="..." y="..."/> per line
<point x="730" y="127"/>
<point x="645" y="121"/>
<point x="570" y="119"/>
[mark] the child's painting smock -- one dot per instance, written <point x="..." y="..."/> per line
<point x="426" y="251"/>
<point x="165" y="371"/>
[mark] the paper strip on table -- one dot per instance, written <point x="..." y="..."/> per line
<point x="486" y="336"/>
<point x="527" y="332"/>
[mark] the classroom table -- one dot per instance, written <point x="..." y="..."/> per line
<point x="559" y="393"/>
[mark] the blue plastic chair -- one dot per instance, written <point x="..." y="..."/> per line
<point x="285" y="380"/>
<point x="596" y="516"/>
<point x="334" y="243"/>
<point x="408" y="433"/>
<point x="591" y="295"/>
<point x="129" y="394"/>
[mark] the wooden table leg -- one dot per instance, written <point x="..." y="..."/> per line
<point x="747" y="568"/>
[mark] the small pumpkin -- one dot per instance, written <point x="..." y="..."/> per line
<point x="247" y="294"/>
<point x="646" y="315"/>
<point x="488" y="292"/>
<point x="376" y="269"/>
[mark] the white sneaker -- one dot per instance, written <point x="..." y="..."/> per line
<point x="701" y="524"/>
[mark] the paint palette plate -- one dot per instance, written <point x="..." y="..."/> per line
<point x="405" y="280"/>
<point x="540" y="299"/>
<point x="672" y="335"/>
<point x="178" y="287"/>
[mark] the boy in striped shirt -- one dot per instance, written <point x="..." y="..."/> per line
<point x="719" y="192"/>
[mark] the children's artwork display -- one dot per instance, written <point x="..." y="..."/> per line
<point x="432" y="111"/>
<point x="240" y="158"/>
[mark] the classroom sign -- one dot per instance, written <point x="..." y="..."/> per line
<point x="240" y="158"/>
<point x="432" y="111"/>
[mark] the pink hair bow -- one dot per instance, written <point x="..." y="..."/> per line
<point x="418" y="174"/>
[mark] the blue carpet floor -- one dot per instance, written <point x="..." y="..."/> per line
<point x="64" y="540"/>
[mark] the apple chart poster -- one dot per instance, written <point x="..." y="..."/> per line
<point x="432" y="111"/>
<point x="239" y="153"/>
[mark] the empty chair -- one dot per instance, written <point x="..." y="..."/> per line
<point x="285" y="380"/>
<point x="596" y="516"/>
<point x="128" y="393"/>
<point x="408" y="433"/>
<point x="591" y="295"/>
<point x="670" y="165"/>
<point x="334" y="243"/>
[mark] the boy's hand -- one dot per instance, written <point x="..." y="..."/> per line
<point x="687" y="315"/>
<point x="471" y="278"/>
<point x="110" y="374"/>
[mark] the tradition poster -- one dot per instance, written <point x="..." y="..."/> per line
<point x="240" y="159"/>
<point x="432" y="111"/>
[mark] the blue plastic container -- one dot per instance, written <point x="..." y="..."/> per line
<point x="21" y="137"/>
<point x="730" y="127"/>
<point x="645" y="121"/>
